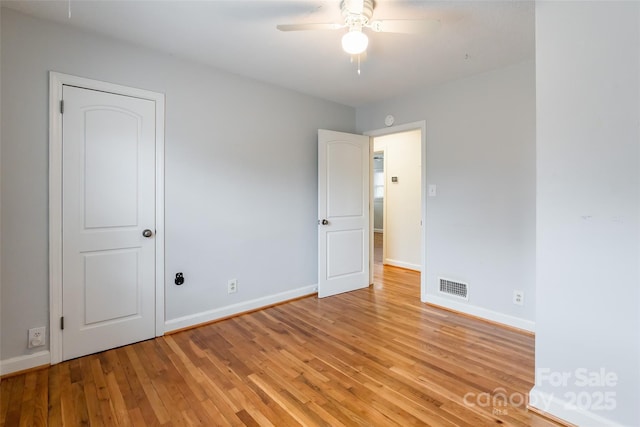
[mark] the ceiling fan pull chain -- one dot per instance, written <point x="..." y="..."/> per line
<point x="69" y="9"/>
<point x="358" y="64"/>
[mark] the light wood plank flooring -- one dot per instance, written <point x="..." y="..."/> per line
<point x="374" y="357"/>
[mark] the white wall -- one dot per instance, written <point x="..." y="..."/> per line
<point x="241" y="175"/>
<point x="481" y="155"/>
<point x="402" y="207"/>
<point x="588" y="207"/>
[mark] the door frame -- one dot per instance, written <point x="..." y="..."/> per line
<point x="56" y="82"/>
<point x="384" y="203"/>
<point x="422" y="126"/>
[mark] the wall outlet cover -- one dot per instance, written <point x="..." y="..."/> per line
<point x="518" y="297"/>
<point x="232" y="286"/>
<point x="37" y="337"/>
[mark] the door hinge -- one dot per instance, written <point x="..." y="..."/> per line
<point x="62" y="322"/>
<point x="62" y="106"/>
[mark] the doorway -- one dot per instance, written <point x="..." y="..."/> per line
<point x="399" y="159"/>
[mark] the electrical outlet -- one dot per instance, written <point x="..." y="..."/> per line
<point x="518" y="297"/>
<point x="36" y="337"/>
<point x="232" y="286"/>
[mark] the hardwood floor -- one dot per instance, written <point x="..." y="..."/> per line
<point x="374" y="357"/>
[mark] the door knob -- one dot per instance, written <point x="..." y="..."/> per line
<point x="147" y="233"/>
<point x="325" y="222"/>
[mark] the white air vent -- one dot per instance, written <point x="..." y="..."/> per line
<point x="454" y="288"/>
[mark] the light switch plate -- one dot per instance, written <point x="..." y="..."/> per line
<point x="432" y="190"/>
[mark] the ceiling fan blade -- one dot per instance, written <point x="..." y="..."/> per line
<point x="405" y="26"/>
<point x="309" y="27"/>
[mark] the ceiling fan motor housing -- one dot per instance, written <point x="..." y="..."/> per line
<point x="356" y="13"/>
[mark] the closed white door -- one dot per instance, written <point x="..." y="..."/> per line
<point x="343" y="212"/>
<point x="108" y="225"/>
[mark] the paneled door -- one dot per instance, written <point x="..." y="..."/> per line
<point x="108" y="220"/>
<point x="343" y="212"/>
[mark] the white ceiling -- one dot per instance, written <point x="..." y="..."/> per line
<point x="240" y="36"/>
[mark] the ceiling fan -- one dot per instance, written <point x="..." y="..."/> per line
<point x="357" y="15"/>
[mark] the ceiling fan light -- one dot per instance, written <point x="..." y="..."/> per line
<point x="355" y="42"/>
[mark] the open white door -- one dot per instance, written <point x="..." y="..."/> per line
<point x="343" y="212"/>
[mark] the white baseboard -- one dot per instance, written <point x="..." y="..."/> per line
<point x="559" y="408"/>
<point x="408" y="265"/>
<point x="484" y="313"/>
<point x="28" y="361"/>
<point x="230" y="310"/>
